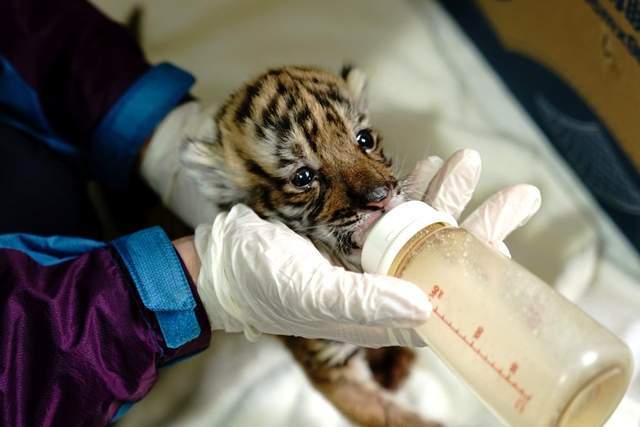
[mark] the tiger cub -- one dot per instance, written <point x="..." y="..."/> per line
<point x="296" y="145"/>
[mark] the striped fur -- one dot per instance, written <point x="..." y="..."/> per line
<point x="297" y="117"/>
<point x="281" y="121"/>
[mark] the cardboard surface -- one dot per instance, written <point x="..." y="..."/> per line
<point x="591" y="44"/>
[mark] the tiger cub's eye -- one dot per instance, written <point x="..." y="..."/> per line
<point x="365" y="139"/>
<point x="303" y="177"/>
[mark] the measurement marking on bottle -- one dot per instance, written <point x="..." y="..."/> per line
<point x="523" y="397"/>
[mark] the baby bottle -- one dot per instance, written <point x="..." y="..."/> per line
<point x="532" y="356"/>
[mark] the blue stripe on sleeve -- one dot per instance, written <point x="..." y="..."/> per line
<point x="20" y="108"/>
<point x="122" y="410"/>
<point x="132" y="120"/>
<point x="48" y="250"/>
<point x="161" y="282"/>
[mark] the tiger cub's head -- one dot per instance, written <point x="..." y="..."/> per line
<point x="296" y="144"/>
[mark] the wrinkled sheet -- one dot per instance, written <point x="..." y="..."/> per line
<point x="430" y="93"/>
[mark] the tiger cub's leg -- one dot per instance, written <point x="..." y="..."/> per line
<point x="390" y="366"/>
<point x="340" y="372"/>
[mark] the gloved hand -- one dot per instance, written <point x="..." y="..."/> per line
<point x="163" y="171"/>
<point x="258" y="276"/>
<point x="448" y="186"/>
<point x="261" y="277"/>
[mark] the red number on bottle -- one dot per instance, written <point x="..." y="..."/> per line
<point x="478" y="333"/>
<point x="513" y="368"/>
<point x="436" y="292"/>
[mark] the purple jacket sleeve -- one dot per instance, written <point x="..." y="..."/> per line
<point x="83" y="335"/>
<point x="80" y="78"/>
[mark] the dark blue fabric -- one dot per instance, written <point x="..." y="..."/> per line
<point x="121" y="133"/>
<point x="161" y="282"/>
<point x="42" y="192"/>
<point x="20" y="108"/>
<point x="132" y="120"/>
<point x="48" y="250"/>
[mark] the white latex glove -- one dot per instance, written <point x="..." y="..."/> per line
<point x="258" y="276"/>
<point x="448" y="186"/>
<point x="161" y="167"/>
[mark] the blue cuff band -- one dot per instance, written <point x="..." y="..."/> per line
<point x="132" y="120"/>
<point x="161" y="282"/>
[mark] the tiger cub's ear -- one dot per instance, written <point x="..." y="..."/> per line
<point x="357" y="84"/>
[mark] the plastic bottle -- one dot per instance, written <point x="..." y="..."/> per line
<point x="533" y="357"/>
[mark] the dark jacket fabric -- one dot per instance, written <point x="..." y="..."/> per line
<point x="85" y="325"/>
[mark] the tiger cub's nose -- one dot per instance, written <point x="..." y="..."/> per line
<point x="379" y="197"/>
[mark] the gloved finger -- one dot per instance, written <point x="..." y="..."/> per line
<point x="366" y="299"/>
<point x="377" y="336"/>
<point x="502" y="248"/>
<point x="406" y="337"/>
<point x="452" y="187"/>
<point x="418" y="180"/>
<point x="503" y="212"/>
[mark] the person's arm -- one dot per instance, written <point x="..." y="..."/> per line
<point x="81" y="83"/>
<point x="84" y="326"/>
